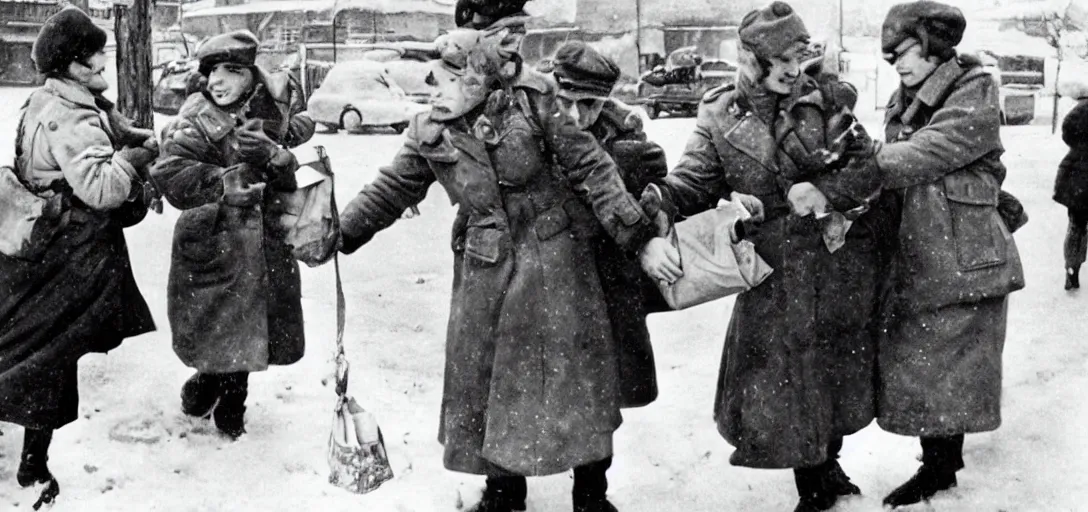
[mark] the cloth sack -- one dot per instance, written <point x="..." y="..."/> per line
<point x="28" y="222"/>
<point x="716" y="264"/>
<point x="309" y="216"/>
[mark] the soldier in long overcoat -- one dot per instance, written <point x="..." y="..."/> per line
<point x="1071" y="190"/>
<point x="797" y="368"/>
<point x="79" y="295"/>
<point x="956" y="261"/>
<point x="234" y="294"/>
<point x="586" y="78"/>
<point x="531" y="374"/>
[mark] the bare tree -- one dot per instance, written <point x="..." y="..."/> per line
<point x="1052" y="27"/>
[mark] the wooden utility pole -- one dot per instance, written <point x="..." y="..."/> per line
<point x="132" y="30"/>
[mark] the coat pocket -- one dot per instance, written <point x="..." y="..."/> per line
<point x="553" y="221"/>
<point x="485" y="244"/>
<point x="972" y="205"/>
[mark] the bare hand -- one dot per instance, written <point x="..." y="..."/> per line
<point x="750" y="203"/>
<point x="661" y="261"/>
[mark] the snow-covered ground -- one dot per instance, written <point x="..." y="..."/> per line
<point x="132" y="449"/>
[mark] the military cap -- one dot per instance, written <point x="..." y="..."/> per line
<point x="238" y="47"/>
<point x="770" y="31"/>
<point x="583" y="72"/>
<point x="937" y="27"/>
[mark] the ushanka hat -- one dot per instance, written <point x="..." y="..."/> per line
<point x="770" y="31"/>
<point x="937" y="27"/>
<point x="238" y="47"/>
<point x="66" y="37"/>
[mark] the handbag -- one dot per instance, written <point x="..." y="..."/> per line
<point x="357" y="458"/>
<point x="28" y="221"/>
<point x="309" y="216"/>
<point x="714" y="265"/>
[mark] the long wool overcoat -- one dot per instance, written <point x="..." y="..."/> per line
<point x="940" y="361"/>
<point x="234" y="294"/>
<point x="797" y="367"/>
<point x="80" y="296"/>
<point x="1071" y="184"/>
<point x="531" y="368"/>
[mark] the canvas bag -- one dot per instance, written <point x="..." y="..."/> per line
<point x="714" y="266"/>
<point x="308" y="214"/>
<point x="28" y="221"/>
<point x="357" y="458"/>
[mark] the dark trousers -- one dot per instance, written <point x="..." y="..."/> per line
<point x="1076" y="238"/>
<point x="590" y="482"/>
<point x="809" y="480"/>
<point x="231" y="389"/>
<point x="943" y="453"/>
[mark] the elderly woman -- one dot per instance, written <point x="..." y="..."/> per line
<point x="234" y="296"/>
<point x="531" y="372"/>
<point x="940" y="361"/>
<point x="796" y="372"/>
<point x="77" y="294"/>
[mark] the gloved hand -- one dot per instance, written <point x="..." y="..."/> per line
<point x="661" y="260"/>
<point x="238" y="191"/>
<point x="651" y="203"/>
<point x="640" y="162"/>
<point x="138" y="157"/>
<point x="805" y="199"/>
<point x="254" y="147"/>
<point x="751" y="203"/>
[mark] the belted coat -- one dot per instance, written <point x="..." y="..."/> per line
<point x="797" y="366"/>
<point x="531" y="368"/>
<point x="956" y="261"/>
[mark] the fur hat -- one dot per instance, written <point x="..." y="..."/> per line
<point x="583" y="72"/>
<point x="771" y="31"/>
<point x="238" y="47"/>
<point x="66" y="37"/>
<point x="938" y="27"/>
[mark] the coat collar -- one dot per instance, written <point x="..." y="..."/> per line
<point x="932" y="93"/>
<point x="71" y="90"/>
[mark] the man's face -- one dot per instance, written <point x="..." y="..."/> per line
<point x="913" y="69"/>
<point x="785" y="70"/>
<point x="89" y="72"/>
<point x="453" y="95"/>
<point x="584" y="110"/>
<point x="229" y="82"/>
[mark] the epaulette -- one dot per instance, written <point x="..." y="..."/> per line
<point x="712" y="95"/>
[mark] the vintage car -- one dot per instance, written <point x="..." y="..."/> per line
<point x="678" y="91"/>
<point x="408" y="69"/>
<point x="176" y="78"/>
<point x="359" y="94"/>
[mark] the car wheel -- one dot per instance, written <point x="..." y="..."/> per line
<point x="351" y="120"/>
<point x="399" y="127"/>
<point x="1004" y="120"/>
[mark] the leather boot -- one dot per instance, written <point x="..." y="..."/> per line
<point x="941" y="458"/>
<point x="32" y="467"/>
<point x="811" y="490"/>
<point x="591" y="487"/>
<point x="199" y="395"/>
<point x="835" y="479"/>
<point x="1072" y="278"/>
<point x="503" y="494"/>
<point x="230" y="413"/>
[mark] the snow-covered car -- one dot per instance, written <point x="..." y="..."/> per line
<point x="176" y="78"/>
<point x="1017" y="100"/>
<point x="361" y="93"/>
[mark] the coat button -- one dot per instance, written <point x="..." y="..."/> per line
<point x="52" y="126"/>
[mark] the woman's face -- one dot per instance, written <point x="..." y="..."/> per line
<point x="785" y="70"/>
<point x="229" y="82"/>
<point x="89" y="72"/>
<point x="912" y="67"/>
<point x="453" y="96"/>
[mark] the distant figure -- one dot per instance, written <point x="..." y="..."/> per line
<point x="1071" y="190"/>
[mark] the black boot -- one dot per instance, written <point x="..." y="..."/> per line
<point x="230" y="413"/>
<point x="1072" y="278"/>
<point x="941" y="458"/>
<point x="591" y="487"/>
<point x="814" y="496"/>
<point x="835" y="479"/>
<point x="33" y="469"/>
<point x="503" y="494"/>
<point x="199" y="395"/>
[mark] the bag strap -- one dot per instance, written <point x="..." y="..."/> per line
<point x="341" y="308"/>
